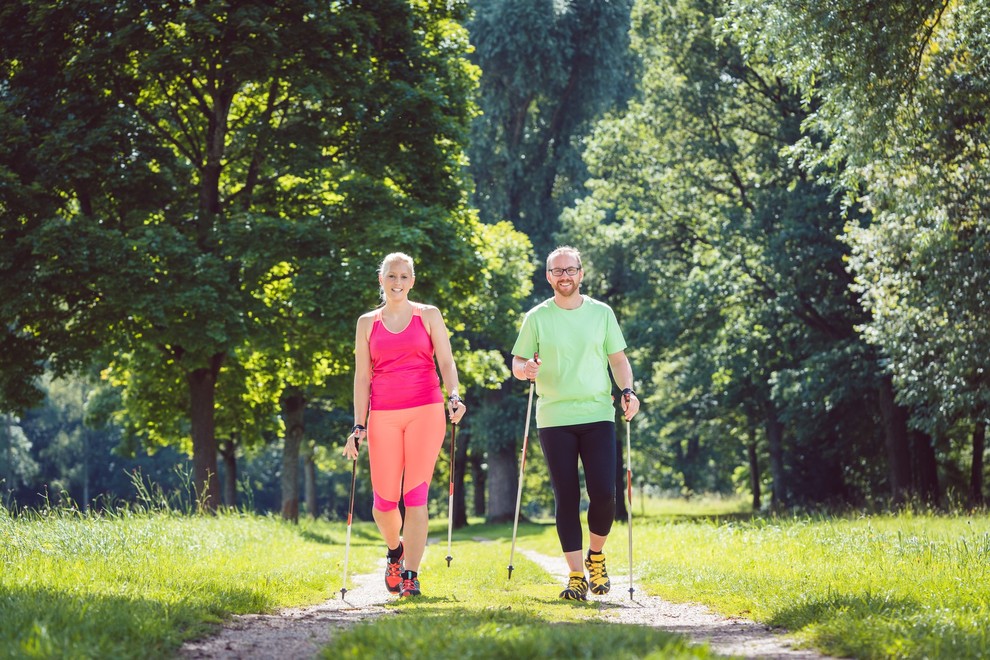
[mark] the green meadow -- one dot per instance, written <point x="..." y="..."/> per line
<point x="909" y="585"/>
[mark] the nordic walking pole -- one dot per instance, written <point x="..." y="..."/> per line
<point x="629" y="508"/>
<point x="522" y="468"/>
<point x="350" y="516"/>
<point x="450" y="502"/>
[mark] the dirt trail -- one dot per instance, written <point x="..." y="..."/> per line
<point x="300" y="633"/>
<point x="733" y="636"/>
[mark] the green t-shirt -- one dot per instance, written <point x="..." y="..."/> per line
<point x="574" y="386"/>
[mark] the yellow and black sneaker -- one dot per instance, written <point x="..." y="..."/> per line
<point x="597" y="575"/>
<point x="577" y="587"/>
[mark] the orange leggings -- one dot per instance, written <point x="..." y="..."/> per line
<point x="403" y="446"/>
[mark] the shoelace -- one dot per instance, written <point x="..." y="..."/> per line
<point x="597" y="569"/>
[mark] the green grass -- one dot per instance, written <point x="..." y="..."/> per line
<point x="896" y="586"/>
<point x="137" y="585"/>
<point x="904" y="586"/>
<point x="472" y="610"/>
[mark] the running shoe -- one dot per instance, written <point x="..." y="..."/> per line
<point x="393" y="572"/>
<point x="410" y="584"/>
<point x="597" y="575"/>
<point x="577" y="587"/>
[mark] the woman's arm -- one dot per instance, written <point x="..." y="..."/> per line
<point x="362" y="385"/>
<point x="445" y="359"/>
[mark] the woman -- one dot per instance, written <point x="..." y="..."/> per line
<point x="398" y="404"/>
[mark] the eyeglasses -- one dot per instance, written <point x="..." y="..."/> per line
<point x="557" y="272"/>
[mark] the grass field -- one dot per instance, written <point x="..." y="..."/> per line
<point x="899" y="586"/>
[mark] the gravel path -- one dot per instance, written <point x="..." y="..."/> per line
<point x="300" y="633"/>
<point x="733" y="636"/>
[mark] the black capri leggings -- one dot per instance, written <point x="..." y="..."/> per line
<point x="595" y="444"/>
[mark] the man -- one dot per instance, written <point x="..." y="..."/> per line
<point x="567" y="344"/>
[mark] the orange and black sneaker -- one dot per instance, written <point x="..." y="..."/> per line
<point x="597" y="575"/>
<point x="577" y="587"/>
<point x="410" y="584"/>
<point x="393" y="572"/>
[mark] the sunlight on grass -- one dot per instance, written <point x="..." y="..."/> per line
<point x="136" y="585"/>
<point x="472" y="609"/>
<point x="906" y="585"/>
<point x="883" y="586"/>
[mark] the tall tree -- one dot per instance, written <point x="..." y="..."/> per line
<point x="901" y="93"/>
<point x="722" y="256"/>
<point x="548" y="70"/>
<point x="176" y="134"/>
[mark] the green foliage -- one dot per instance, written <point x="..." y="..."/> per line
<point x="226" y="180"/>
<point x="548" y="70"/>
<point x="19" y="466"/>
<point x="721" y="258"/>
<point x="906" y="114"/>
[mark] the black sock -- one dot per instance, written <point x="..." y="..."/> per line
<point x="410" y="575"/>
<point x="590" y="552"/>
<point x="393" y="555"/>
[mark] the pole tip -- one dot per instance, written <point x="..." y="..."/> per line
<point x="449" y="559"/>
<point x="510" y="571"/>
<point x="343" y="592"/>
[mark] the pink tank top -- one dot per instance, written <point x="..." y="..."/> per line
<point x="403" y="374"/>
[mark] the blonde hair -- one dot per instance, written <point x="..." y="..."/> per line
<point x="564" y="249"/>
<point x="389" y="259"/>
<point x="397" y="256"/>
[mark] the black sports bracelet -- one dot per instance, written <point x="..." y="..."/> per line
<point x="357" y="427"/>
<point x="627" y="391"/>
<point x="455" y="399"/>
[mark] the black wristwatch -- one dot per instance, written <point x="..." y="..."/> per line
<point x="627" y="391"/>
<point x="455" y="398"/>
<point x="357" y="427"/>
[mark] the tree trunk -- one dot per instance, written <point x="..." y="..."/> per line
<point x="976" y="472"/>
<point x="775" y="442"/>
<point x="480" y="479"/>
<point x="896" y="440"/>
<point x="228" y="451"/>
<point x="691" y="468"/>
<point x="503" y="482"/>
<point x="460" y="465"/>
<point x="85" y="471"/>
<point x="202" y="393"/>
<point x="754" y="470"/>
<point x="8" y="433"/>
<point x="293" y="406"/>
<point x="309" y="478"/>
<point x="925" y="467"/>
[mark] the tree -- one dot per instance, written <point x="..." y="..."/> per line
<point x="18" y="465"/>
<point x="721" y="256"/>
<point x="548" y="70"/>
<point x="901" y="92"/>
<point x="176" y="135"/>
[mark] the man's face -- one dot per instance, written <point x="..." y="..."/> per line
<point x="565" y="284"/>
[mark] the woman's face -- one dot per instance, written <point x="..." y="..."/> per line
<point x="397" y="280"/>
